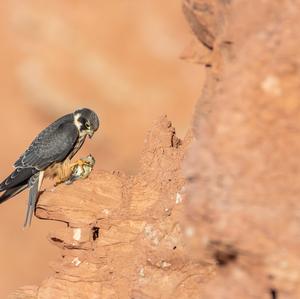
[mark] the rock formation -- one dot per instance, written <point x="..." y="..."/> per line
<point x="124" y="236"/>
<point x="244" y="169"/>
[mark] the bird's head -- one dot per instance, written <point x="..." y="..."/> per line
<point x="86" y="121"/>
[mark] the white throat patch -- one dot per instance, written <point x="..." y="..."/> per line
<point x="77" y="122"/>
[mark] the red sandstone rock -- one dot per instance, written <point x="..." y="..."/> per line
<point x="124" y="236"/>
<point x="243" y="190"/>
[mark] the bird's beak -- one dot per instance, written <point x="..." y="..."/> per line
<point x="91" y="133"/>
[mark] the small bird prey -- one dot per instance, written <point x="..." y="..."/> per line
<point x="49" y="155"/>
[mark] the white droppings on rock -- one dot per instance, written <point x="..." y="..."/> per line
<point x="168" y="211"/>
<point x="165" y="264"/>
<point x="106" y="211"/>
<point x="77" y="234"/>
<point x="151" y="234"/>
<point x="142" y="272"/>
<point x="190" y="231"/>
<point x="178" y="198"/>
<point x="271" y="85"/>
<point x="76" y="261"/>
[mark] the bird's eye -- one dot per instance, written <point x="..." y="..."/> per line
<point x="87" y="125"/>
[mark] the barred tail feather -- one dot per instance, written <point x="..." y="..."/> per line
<point x="34" y="185"/>
<point x="12" y="192"/>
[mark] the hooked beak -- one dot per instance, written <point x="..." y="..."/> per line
<point x="91" y="133"/>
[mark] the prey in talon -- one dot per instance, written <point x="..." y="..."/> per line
<point x="82" y="169"/>
<point x="49" y="155"/>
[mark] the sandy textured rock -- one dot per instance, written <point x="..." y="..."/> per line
<point x="244" y="168"/>
<point x="124" y="236"/>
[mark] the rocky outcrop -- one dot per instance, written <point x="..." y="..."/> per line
<point x="244" y="169"/>
<point x="124" y="236"/>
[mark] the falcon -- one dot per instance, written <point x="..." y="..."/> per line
<point x="49" y="155"/>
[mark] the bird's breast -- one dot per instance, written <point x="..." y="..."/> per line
<point x="59" y="170"/>
<point x="77" y="146"/>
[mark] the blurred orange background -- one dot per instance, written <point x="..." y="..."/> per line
<point x="120" y="58"/>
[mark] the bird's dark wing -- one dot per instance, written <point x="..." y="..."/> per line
<point x="52" y="145"/>
<point x="18" y="178"/>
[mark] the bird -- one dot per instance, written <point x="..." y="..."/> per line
<point x="49" y="155"/>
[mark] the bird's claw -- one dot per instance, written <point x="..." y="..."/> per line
<point x="81" y="169"/>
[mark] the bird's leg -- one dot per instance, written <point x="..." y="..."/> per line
<point x="63" y="172"/>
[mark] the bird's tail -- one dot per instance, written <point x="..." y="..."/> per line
<point x="12" y="192"/>
<point x="34" y="188"/>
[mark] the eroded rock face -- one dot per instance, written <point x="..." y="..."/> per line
<point x="124" y="236"/>
<point x="244" y="169"/>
